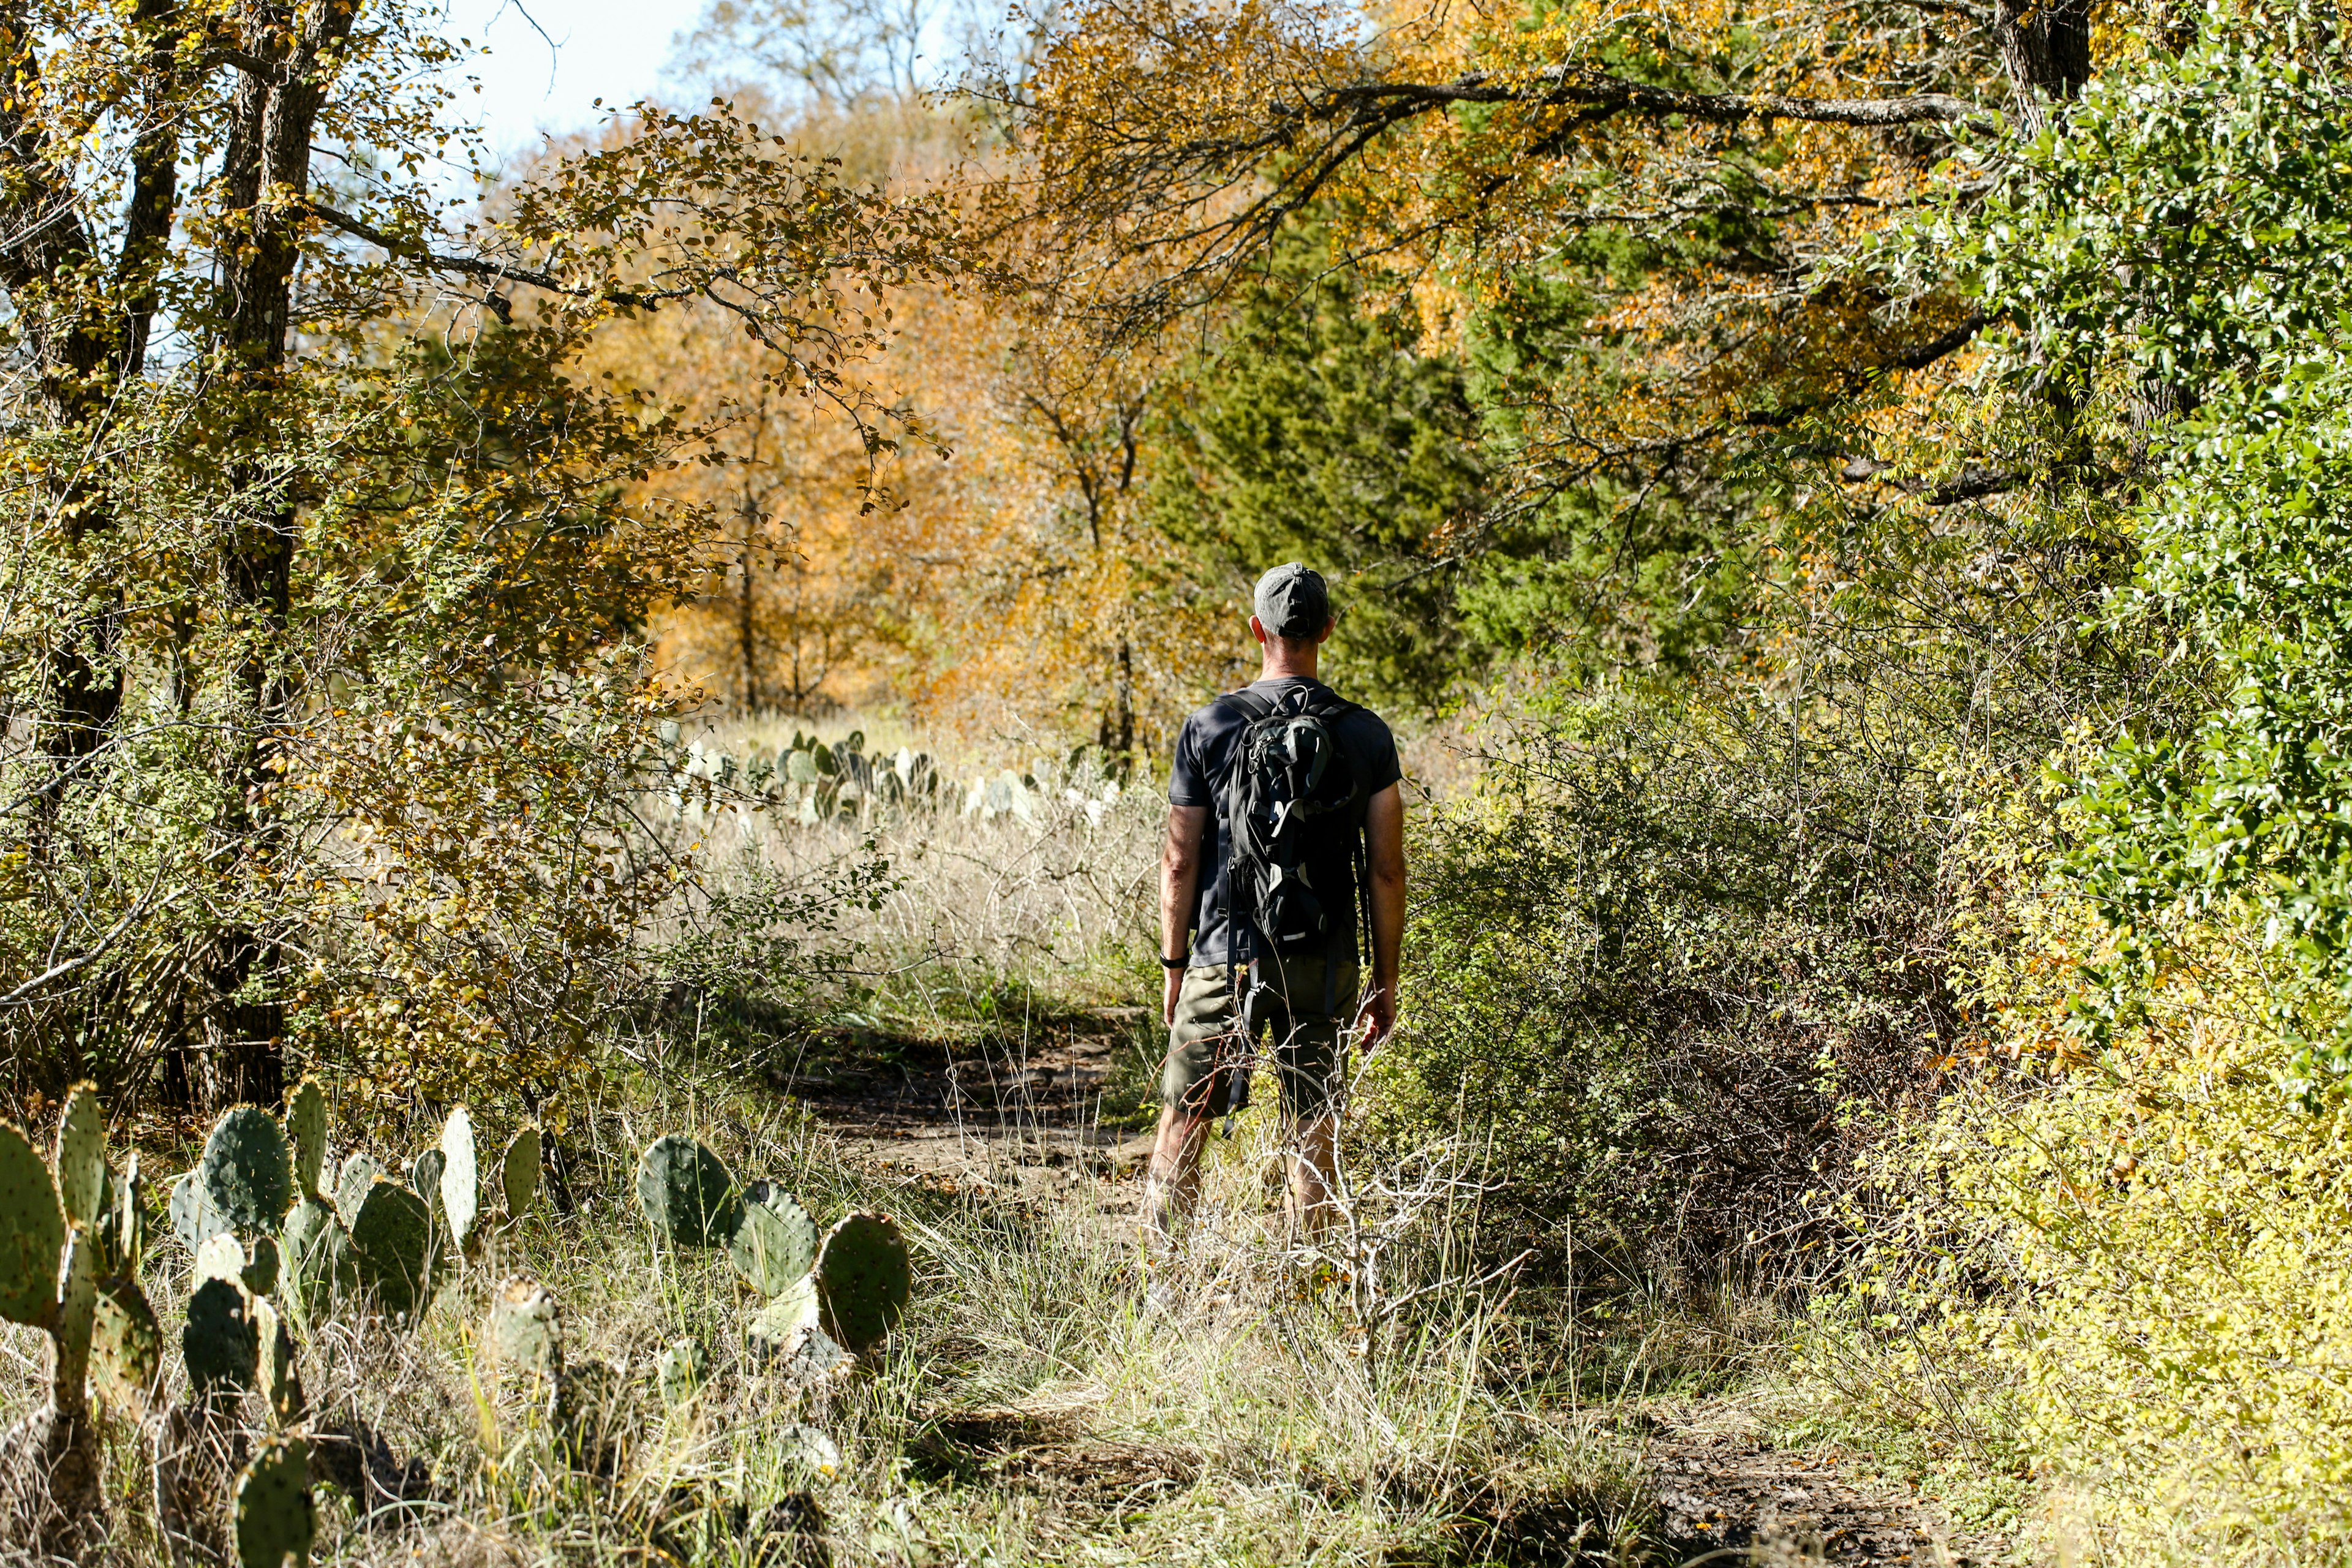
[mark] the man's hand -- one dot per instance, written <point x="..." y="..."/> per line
<point x="1172" y="984"/>
<point x="1378" y="1015"/>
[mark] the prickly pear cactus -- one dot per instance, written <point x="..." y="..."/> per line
<point x="686" y="1192"/>
<point x="81" y="1156"/>
<point x="306" y="1129"/>
<point x="682" y="1370"/>
<point x="128" y="1222"/>
<point x="351" y="1185"/>
<point x="218" y="1342"/>
<point x="221" y="1257"/>
<point x="424" y="1173"/>
<point x="126" y="1348"/>
<point x="275" y="1517"/>
<point x="795" y="1310"/>
<point x="791" y="1330"/>
<point x="461" y="1183"/>
<point x="805" y="1448"/>
<point x="316" y="1259"/>
<point x="32" y="1232"/>
<point x="76" y="1321"/>
<point x="391" y="1240"/>
<point x="519" y="1173"/>
<point x="248" y="1173"/>
<point x="261" y="1270"/>
<point x="195" y="1220"/>
<point x="275" y="1373"/>
<point x="864" y="1279"/>
<point x="523" y="1336"/>
<point x="776" y="1242"/>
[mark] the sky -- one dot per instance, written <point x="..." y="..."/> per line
<point x="609" y="48"/>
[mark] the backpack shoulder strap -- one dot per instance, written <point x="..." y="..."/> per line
<point x="1325" y="703"/>
<point x="1255" y="705"/>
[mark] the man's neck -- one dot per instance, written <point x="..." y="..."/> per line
<point x="1287" y="668"/>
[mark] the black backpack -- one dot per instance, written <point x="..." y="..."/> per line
<point x="1293" y="796"/>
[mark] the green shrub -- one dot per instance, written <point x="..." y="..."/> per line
<point x="1676" y="963"/>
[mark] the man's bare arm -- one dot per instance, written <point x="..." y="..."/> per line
<point x="1384" y="859"/>
<point x="1179" y="884"/>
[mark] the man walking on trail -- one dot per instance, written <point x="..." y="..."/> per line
<point x="1284" y="857"/>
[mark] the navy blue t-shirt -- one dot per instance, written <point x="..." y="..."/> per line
<point x="1204" y="758"/>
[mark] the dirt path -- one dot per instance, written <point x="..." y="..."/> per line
<point x="928" y="1106"/>
<point x="1720" y="1486"/>
<point x="1723" y="1494"/>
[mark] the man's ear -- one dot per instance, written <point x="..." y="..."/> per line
<point x="1328" y="627"/>
<point x="1257" y="630"/>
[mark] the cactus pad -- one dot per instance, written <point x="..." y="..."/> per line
<point x="790" y="1329"/>
<point x="129" y="1217"/>
<point x="218" y="1342"/>
<point x="775" y="1244"/>
<point x="275" y="1517"/>
<point x="461" y="1186"/>
<point x="524" y="1332"/>
<point x="76" y="1312"/>
<point x="686" y="1192"/>
<point x="306" y="1129"/>
<point x="81" y="1156"/>
<point x="805" y="1448"/>
<point x="389" y="1241"/>
<point x="261" y="1272"/>
<point x="864" y="1279"/>
<point x="195" y="1220"/>
<point x="352" y="1183"/>
<point x="519" y="1173"/>
<point x="248" y="1173"/>
<point x="682" y="1370"/>
<point x="126" y="1344"/>
<point x="274" y="1370"/>
<point x="425" y="1174"/>
<point x="317" y="1260"/>
<point x="32" y="1232"/>
<point x="794" y="1312"/>
<point x="221" y="1257"/>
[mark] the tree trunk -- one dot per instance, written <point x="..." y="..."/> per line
<point x="266" y="166"/>
<point x="746" y="627"/>
<point x="2045" y="47"/>
<point x="79" y="351"/>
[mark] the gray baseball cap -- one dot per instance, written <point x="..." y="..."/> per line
<point x="1292" y="602"/>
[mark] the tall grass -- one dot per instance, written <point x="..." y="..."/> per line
<point x="1382" y="1396"/>
<point x="1031" y="1408"/>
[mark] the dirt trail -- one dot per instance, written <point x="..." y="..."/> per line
<point x="1720" y="1486"/>
<point x="1722" y="1492"/>
<point x="926" y="1106"/>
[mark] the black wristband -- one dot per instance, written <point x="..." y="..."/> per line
<point x="1175" y="963"/>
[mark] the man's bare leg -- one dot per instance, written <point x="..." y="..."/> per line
<point x="1174" y="1178"/>
<point x="1314" y="1174"/>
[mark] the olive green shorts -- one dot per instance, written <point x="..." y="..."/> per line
<point x="1210" y="1057"/>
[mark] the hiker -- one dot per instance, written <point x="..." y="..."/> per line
<point x="1261" y="930"/>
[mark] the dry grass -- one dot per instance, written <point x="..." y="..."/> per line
<point x="1031" y="1408"/>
